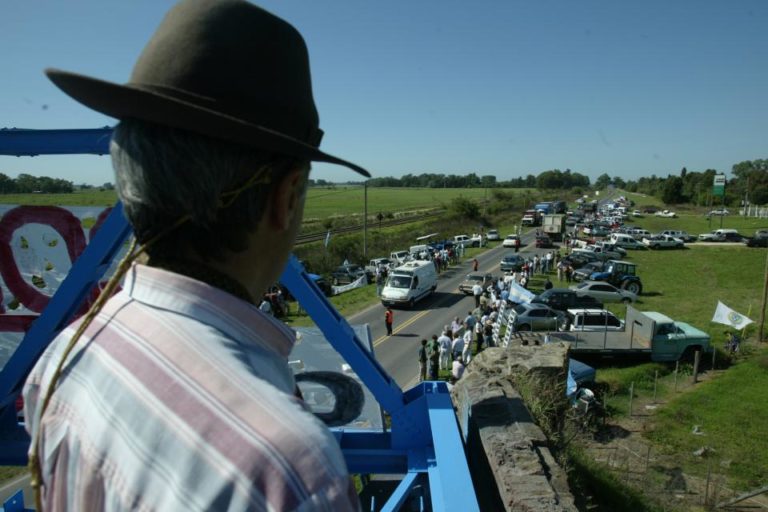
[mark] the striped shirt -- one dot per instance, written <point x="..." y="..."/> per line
<point x="181" y="399"/>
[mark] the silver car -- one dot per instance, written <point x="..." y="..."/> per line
<point x="535" y="317"/>
<point x="604" y="292"/>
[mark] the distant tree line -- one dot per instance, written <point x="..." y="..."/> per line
<point x="553" y="179"/>
<point x="749" y="181"/>
<point x="27" y="184"/>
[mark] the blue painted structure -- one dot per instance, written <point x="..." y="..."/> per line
<point x="423" y="443"/>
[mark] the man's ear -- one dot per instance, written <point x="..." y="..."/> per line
<point x="286" y="200"/>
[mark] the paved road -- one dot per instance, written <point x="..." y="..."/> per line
<point x="398" y="353"/>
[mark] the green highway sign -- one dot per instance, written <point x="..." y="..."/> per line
<point x="718" y="188"/>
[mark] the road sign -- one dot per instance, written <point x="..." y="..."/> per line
<point x="718" y="186"/>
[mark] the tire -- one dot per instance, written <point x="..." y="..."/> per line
<point x="411" y="303"/>
<point x="632" y="287"/>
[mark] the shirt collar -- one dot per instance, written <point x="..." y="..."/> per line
<point x="234" y="317"/>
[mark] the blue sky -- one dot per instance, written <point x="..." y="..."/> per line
<point x="494" y="87"/>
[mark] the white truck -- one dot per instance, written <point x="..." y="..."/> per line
<point x="651" y="333"/>
<point x="663" y="242"/>
<point x="553" y="226"/>
<point x="475" y="240"/>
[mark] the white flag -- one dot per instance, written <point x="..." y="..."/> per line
<point x="328" y="238"/>
<point x="727" y="316"/>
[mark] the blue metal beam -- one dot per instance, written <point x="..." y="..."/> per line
<point x="445" y="476"/>
<point x="21" y="142"/>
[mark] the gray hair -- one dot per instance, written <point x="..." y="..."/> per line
<point x="163" y="174"/>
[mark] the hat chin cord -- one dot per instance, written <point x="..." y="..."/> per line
<point x="225" y="200"/>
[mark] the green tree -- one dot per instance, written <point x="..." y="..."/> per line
<point x="7" y="185"/>
<point x="672" y="191"/>
<point x="464" y="208"/>
<point x="602" y="181"/>
<point x="750" y="180"/>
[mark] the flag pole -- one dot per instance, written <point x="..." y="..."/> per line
<point x="749" y="313"/>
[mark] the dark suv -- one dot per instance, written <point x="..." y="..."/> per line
<point x="759" y="240"/>
<point x="563" y="299"/>
<point x="346" y="274"/>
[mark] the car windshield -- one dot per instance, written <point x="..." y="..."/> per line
<point x="399" y="281"/>
<point x="520" y="309"/>
<point x="582" y="285"/>
<point x="477" y="278"/>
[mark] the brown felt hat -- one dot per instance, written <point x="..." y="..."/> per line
<point x="222" y="68"/>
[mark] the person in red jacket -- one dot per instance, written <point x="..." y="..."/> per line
<point x="389" y="317"/>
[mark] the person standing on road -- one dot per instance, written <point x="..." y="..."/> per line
<point x="475" y="265"/>
<point x="445" y="349"/>
<point x="423" y="361"/>
<point x="433" y="353"/>
<point x="477" y="291"/>
<point x="389" y="318"/>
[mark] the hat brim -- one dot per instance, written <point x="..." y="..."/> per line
<point x="126" y="101"/>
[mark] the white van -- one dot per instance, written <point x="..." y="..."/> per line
<point x="625" y="241"/>
<point x="409" y="283"/>
<point x="592" y="320"/>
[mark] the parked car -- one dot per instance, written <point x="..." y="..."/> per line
<point x="663" y="242"/>
<point x="376" y="263"/>
<point x="682" y="235"/>
<point x="535" y="317"/>
<point x="579" y="259"/>
<point x="719" y="212"/>
<point x="603" y="291"/>
<point x="666" y="213"/>
<point x="563" y="299"/>
<point x="484" y="279"/>
<point x="626" y="241"/>
<point x="399" y="257"/>
<point x="583" y="273"/>
<point x="493" y="234"/>
<point x="721" y="235"/>
<point x="511" y="263"/>
<point x="512" y="241"/>
<point x="759" y="240"/>
<point x="346" y="274"/>
<point x="591" y="320"/>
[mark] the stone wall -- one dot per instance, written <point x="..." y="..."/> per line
<point x="512" y="466"/>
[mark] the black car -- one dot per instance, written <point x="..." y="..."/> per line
<point x="759" y="240"/>
<point x="583" y="273"/>
<point x="512" y="263"/>
<point x="346" y="274"/>
<point x="563" y="299"/>
<point x="579" y="259"/>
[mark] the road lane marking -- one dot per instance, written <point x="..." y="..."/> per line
<point x="402" y="326"/>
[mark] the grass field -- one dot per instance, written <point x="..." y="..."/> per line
<point x="731" y="414"/>
<point x="321" y="202"/>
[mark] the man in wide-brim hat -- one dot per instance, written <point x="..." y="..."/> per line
<point x="176" y="393"/>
